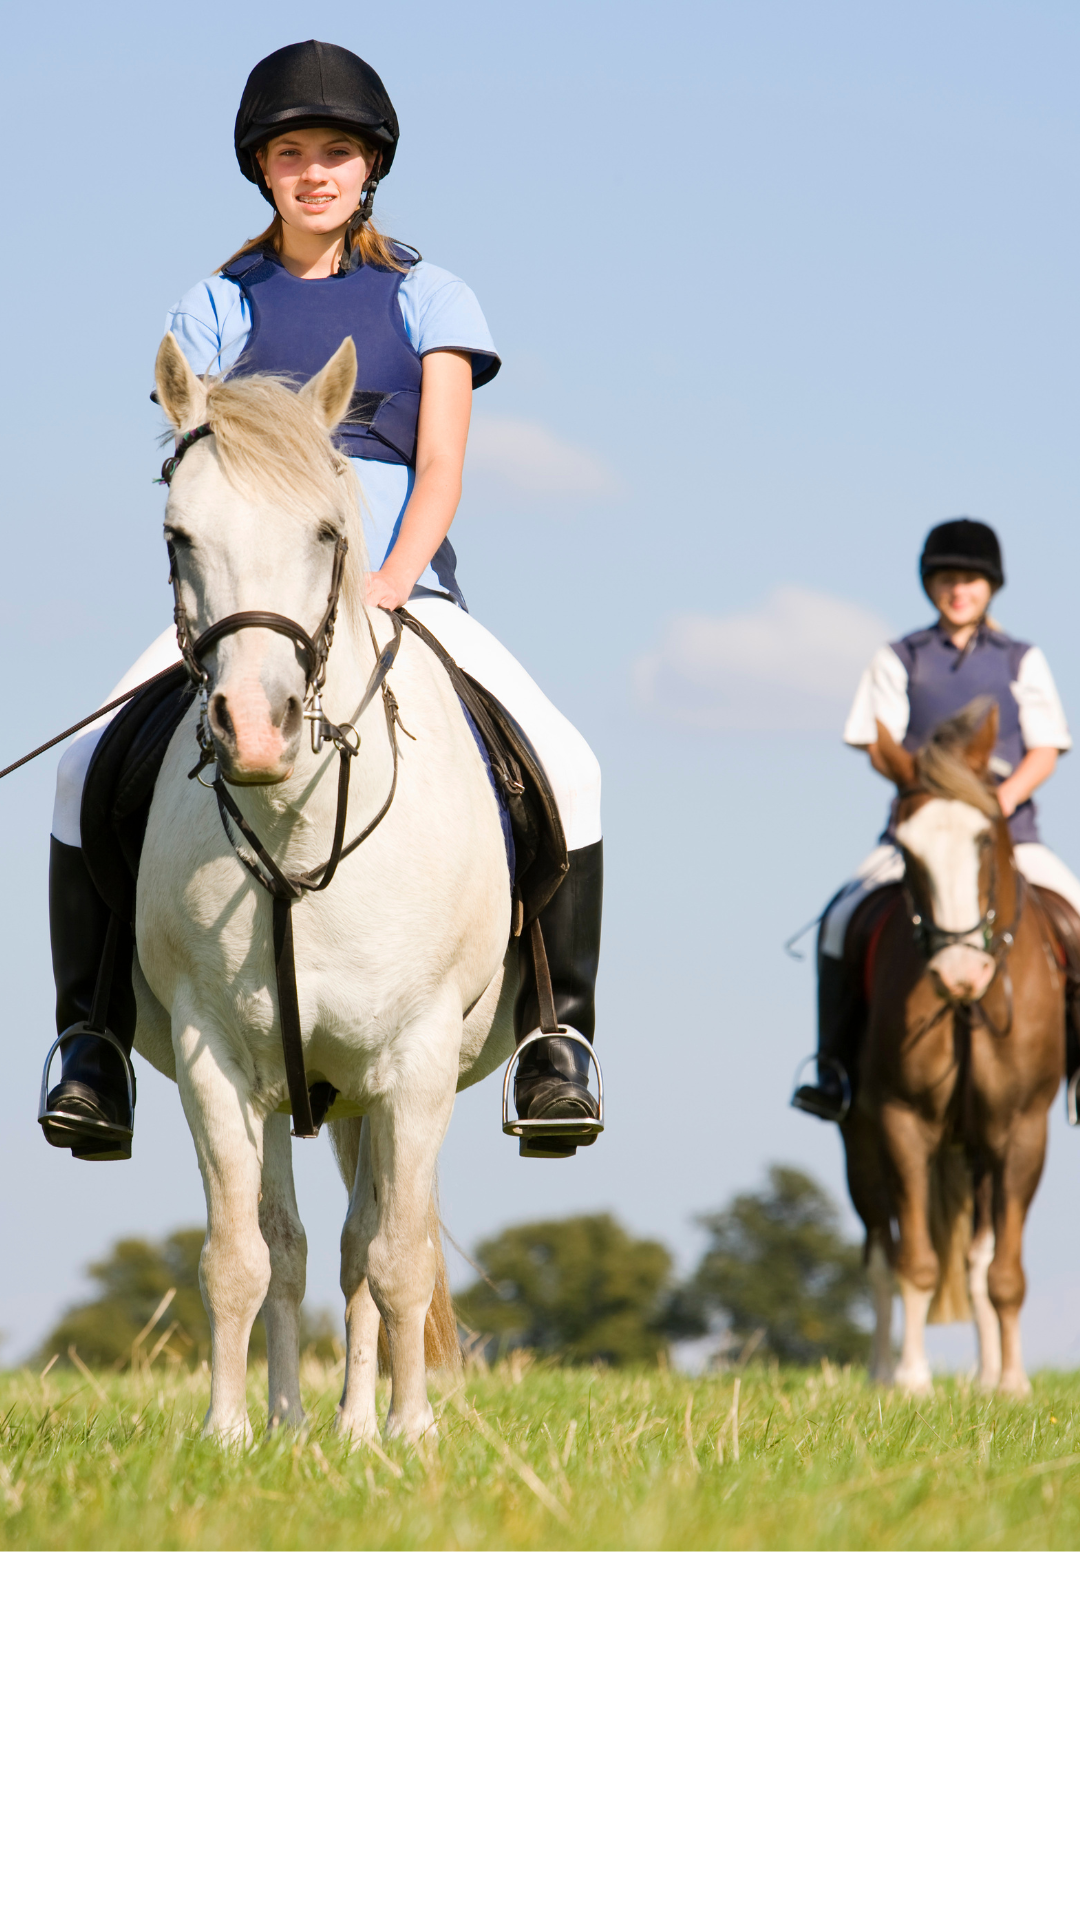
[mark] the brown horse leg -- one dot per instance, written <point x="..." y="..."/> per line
<point x="869" y="1190"/>
<point x="987" y="1328"/>
<point x="909" y="1150"/>
<point x="881" y="1280"/>
<point x="1014" y="1188"/>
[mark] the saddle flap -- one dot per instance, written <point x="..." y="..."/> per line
<point x="542" y="861"/>
<point x="1062" y="925"/>
<point x="865" y="928"/>
<point x="120" y="785"/>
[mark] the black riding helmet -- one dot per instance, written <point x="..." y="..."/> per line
<point x="968" y="544"/>
<point x="313" y="84"/>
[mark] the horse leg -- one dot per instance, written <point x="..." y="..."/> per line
<point x="402" y="1261"/>
<point x="356" y="1415"/>
<point x="987" y="1330"/>
<point x="1014" y="1189"/>
<point x="881" y="1280"/>
<point x="917" y="1262"/>
<point x="281" y="1228"/>
<point x="234" y="1270"/>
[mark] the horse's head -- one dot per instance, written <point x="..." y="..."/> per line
<point x="956" y="847"/>
<point x="257" y="511"/>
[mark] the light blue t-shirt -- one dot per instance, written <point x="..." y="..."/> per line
<point x="212" y="324"/>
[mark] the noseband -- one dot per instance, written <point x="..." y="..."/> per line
<point x="314" y="648"/>
<point x="933" y="939"/>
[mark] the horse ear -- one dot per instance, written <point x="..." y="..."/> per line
<point x="894" y="761"/>
<point x="981" y="745"/>
<point x="330" y="392"/>
<point x="180" y="391"/>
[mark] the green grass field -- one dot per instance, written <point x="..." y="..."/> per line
<point x="541" y="1456"/>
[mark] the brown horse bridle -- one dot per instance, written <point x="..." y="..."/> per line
<point x="996" y="941"/>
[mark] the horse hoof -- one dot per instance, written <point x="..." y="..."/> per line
<point x="916" y="1382"/>
<point x="235" y="1438"/>
<point x="1015" y="1386"/>
<point x="357" y="1429"/>
<point x="412" y="1429"/>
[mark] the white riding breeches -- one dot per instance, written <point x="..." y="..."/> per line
<point x="885" y="865"/>
<point x="568" y="760"/>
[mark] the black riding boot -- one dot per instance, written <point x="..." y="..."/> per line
<point x="552" y="1080"/>
<point x="840" y="1017"/>
<point x="90" y="1110"/>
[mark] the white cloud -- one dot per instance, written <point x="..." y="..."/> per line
<point x="530" y="458"/>
<point x="792" y="663"/>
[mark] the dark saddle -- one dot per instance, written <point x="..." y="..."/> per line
<point x="865" y="928"/>
<point x="122" y="775"/>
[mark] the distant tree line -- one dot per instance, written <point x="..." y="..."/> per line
<point x="776" y="1273"/>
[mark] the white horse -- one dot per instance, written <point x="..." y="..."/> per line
<point x="405" y="967"/>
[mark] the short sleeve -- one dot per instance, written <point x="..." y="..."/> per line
<point x="211" y="324"/>
<point x="882" y="695"/>
<point x="1042" y="716"/>
<point x="440" y="311"/>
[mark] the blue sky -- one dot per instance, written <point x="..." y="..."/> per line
<point x="775" y="289"/>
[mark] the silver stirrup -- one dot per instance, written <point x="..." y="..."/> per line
<point x="582" y="1130"/>
<point x="812" y="1060"/>
<point x="98" y="1033"/>
<point x="1072" y="1100"/>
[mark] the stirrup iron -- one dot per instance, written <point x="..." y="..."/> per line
<point x="87" y="1129"/>
<point x="813" y="1060"/>
<point x="581" y="1128"/>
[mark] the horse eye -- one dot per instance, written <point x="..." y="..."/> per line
<point x="327" y="532"/>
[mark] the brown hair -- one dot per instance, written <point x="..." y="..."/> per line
<point x="374" y="248"/>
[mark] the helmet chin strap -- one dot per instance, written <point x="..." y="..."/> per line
<point x="360" y="218"/>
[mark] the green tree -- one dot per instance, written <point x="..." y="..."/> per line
<point x="132" y="1280"/>
<point x="778" y="1264"/>
<point x="583" y="1288"/>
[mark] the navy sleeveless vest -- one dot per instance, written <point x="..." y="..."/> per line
<point x="297" y="324"/>
<point x="295" y="327"/>
<point x="941" y="680"/>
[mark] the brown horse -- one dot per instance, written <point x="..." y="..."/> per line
<point x="963" y="1051"/>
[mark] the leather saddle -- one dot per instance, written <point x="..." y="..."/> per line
<point x="123" y="773"/>
<point x="865" y="928"/>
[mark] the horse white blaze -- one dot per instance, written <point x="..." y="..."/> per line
<point x="946" y="837"/>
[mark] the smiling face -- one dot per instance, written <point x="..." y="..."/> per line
<point x="961" y="597"/>
<point x="316" y="176"/>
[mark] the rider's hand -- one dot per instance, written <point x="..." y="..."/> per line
<point x="1007" y="800"/>
<point x="387" y="588"/>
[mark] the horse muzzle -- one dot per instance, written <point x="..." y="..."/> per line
<point x="256" y="731"/>
<point x="963" y="973"/>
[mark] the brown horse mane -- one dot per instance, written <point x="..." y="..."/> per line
<point x="947" y="765"/>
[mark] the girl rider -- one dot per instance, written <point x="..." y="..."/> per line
<point x="911" y="687"/>
<point x="316" y="132"/>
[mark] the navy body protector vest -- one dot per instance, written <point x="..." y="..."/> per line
<point x="941" y="680"/>
<point x="296" y="325"/>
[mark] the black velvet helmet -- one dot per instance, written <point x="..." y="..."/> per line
<point x="968" y="544"/>
<point x="313" y="84"/>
